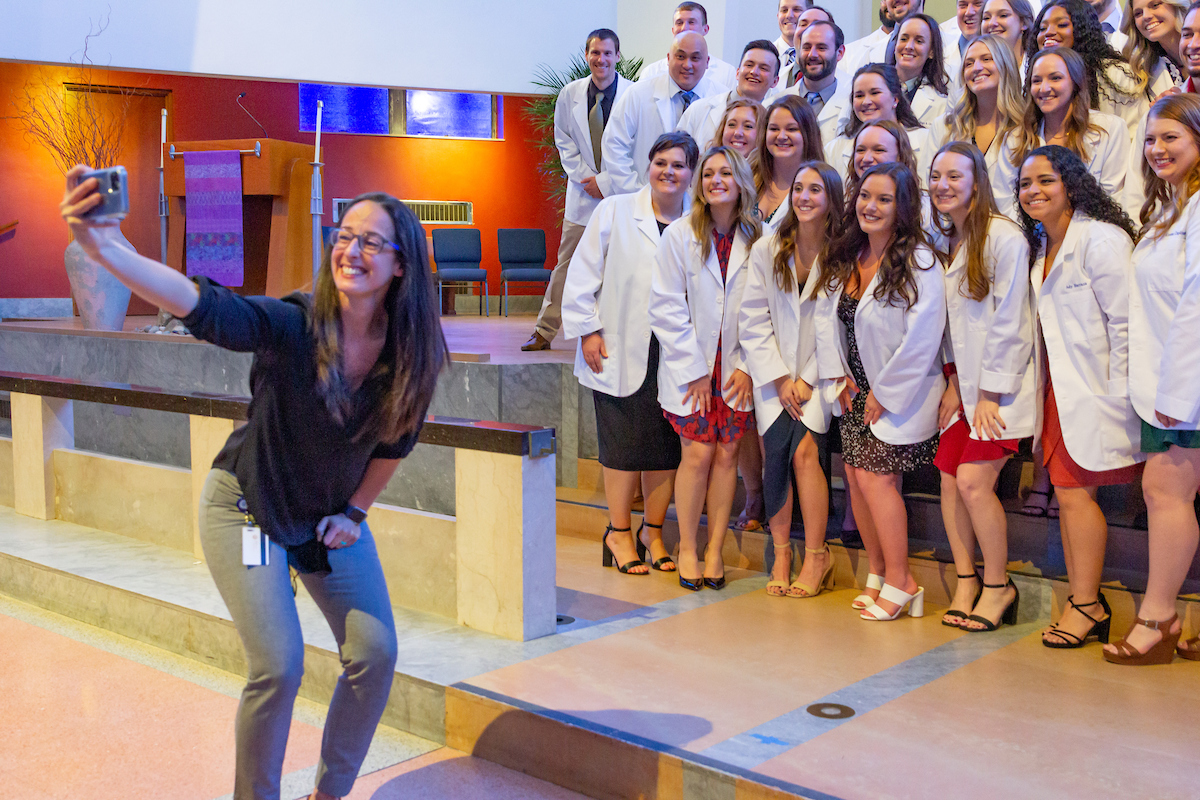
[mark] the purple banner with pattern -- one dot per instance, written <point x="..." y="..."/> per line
<point x="213" y="187"/>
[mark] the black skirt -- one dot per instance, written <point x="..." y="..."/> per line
<point x="632" y="432"/>
<point x="779" y="446"/>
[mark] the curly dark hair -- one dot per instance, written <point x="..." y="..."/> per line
<point x="896" y="281"/>
<point x="1084" y="195"/>
<point x="1091" y="45"/>
<point x="904" y="112"/>
<point x="934" y="71"/>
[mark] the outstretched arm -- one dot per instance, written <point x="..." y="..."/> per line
<point x="164" y="287"/>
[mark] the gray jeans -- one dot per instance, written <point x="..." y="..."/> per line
<point x="353" y="598"/>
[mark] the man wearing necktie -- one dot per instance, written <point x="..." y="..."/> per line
<point x="580" y="115"/>
<point x="651" y="108"/>
<point x="789" y="75"/>
<point x="788" y="14"/>
<point x="822" y="47"/>
<point x="1109" y="12"/>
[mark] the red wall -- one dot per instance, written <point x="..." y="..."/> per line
<point x="499" y="177"/>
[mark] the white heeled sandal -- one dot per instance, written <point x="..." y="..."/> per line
<point x="875" y="613"/>
<point x="864" y="601"/>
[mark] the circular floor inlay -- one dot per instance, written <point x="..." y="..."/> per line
<point x="830" y="711"/>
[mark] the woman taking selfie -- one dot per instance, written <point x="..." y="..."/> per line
<point x="341" y="382"/>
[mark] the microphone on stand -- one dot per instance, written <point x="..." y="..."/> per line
<point x="251" y="116"/>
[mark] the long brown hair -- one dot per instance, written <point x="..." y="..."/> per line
<point x="1184" y="109"/>
<point x="977" y="281"/>
<point x="787" y="276"/>
<point x="1077" y="123"/>
<point x="904" y="152"/>
<point x="891" y="79"/>
<point x="896" y="282"/>
<point x="746" y="219"/>
<point x="401" y="383"/>
<point x="813" y="148"/>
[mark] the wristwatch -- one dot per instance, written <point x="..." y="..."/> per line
<point x="355" y="514"/>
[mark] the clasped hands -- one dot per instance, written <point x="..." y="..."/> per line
<point x="738" y="391"/>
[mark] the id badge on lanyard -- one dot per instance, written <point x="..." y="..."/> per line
<point x="256" y="546"/>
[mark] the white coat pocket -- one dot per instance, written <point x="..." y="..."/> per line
<point x="1081" y="321"/>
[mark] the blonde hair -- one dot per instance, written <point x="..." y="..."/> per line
<point x="760" y="119"/>
<point x="1141" y="53"/>
<point x="1184" y="109"/>
<point x="962" y="117"/>
<point x="746" y="219"/>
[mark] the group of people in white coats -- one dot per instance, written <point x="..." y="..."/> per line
<point x="945" y="296"/>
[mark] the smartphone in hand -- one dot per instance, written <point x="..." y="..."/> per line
<point x="114" y="193"/>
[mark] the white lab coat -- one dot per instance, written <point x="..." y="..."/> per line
<point x="900" y="351"/>
<point x="1134" y="194"/>
<point x="1164" y="323"/>
<point x="608" y="290"/>
<point x="859" y="51"/>
<point x="573" y="137"/>
<point x="930" y="108"/>
<point x="840" y="150"/>
<point x="951" y="56"/>
<point x="778" y="338"/>
<point x="643" y="113"/>
<point x="1107" y="154"/>
<point x="722" y="73"/>
<point x="1003" y="174"/>
<point x="833" y="114"/>
<point x="703" y="116"/>
<point x="1082" y="313"/>
<point x="991" y="340"/>
<point x="691" y="309"/>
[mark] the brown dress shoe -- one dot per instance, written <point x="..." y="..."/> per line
<point x="536" y="342"/>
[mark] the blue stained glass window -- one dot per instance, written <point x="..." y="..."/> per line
<point x="457" y="114"/>
<point x="348" y="109"/>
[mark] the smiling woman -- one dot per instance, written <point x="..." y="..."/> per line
<point x="341" y="382"/>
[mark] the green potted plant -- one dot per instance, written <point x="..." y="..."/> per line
<point x="540" y="114"/>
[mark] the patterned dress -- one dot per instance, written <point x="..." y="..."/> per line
<point x="860" y="447"/>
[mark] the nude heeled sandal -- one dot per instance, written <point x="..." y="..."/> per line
<point x="781" y="587"/>
<point x="864" y="601"/>
<point x="915" y="603"/>
<point x="797" y="587"/>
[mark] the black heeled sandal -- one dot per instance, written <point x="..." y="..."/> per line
<point x="1100" y="627"/>
<point x="642" y="549"/>
<point x="1009" y="617"/>
<point x="608" y="558"/>
<point x="962" y="616"/>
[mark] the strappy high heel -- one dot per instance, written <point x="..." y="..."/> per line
<point x="810" y="591"/>
<point x="1162" y="652"/>
<point x="1100" y="627"/>
<point x="1008" y="617"/>
<point x="608" y="558"/>
<point x="914" y="602"/>
<point x="781" y="586"/>
<point x="642" y="549"/>
<point x="1189" y="649"/>
<point x="865" y="600"/>
<point x="961" y="616"/>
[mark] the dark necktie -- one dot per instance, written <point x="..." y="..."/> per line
<point x="814" y="100"/>
<point x="1109" y="30"/>
<point x="688" y="98"/>
<point x="789" y="56"/>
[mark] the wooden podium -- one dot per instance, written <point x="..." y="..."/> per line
<point x="276" y="213"/>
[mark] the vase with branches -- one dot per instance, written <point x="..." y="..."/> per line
<point x="81" y="122"/>
<point x="540" y="115"/>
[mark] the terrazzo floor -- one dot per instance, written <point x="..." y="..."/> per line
<point x="799" y="693"/>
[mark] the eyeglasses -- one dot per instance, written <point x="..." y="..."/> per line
<point x="368" y="243"/>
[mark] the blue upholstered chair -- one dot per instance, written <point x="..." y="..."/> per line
<point x="522" y="258"/>
<point x="457" y="253"/>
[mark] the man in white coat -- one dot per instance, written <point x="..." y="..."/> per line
<point x="788" y="13"/>
<point x="580" y="115"/>
<point x="651" y="108"/>
<point x="757" y="75"/>
<point x="957" y="32"/>
<point x="872" y="48"/>
<point x="691" y="16"/>
<point x="790" y="73"/>
<point x="828" y="92"/>
<point x="1109" y="12"/>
